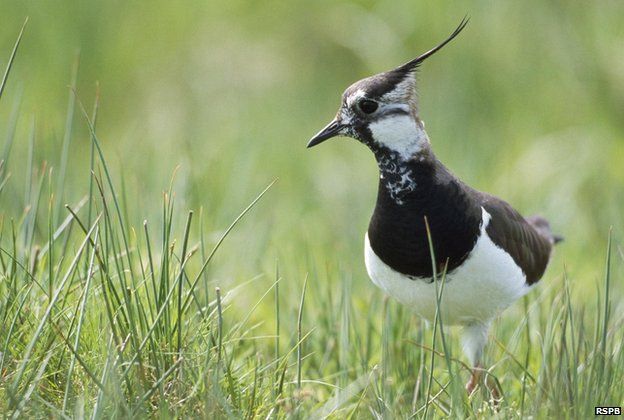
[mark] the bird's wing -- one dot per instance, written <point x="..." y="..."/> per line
<point x="510" y="231"/>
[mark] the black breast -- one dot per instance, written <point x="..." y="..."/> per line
<point x="397" y="231"/>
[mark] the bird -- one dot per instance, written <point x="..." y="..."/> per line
<point x="428" y="226"/>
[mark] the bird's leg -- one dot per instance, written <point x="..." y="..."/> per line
<point x="474" y="337"/>
<point x="475" y="378"/>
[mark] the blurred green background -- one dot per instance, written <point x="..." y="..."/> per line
<point x="528" y="104"/>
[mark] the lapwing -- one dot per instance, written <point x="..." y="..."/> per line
<point x="490" y="254"/>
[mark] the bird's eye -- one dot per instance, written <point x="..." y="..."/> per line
<point x="367" y="106"/>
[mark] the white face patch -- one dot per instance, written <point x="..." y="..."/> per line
<point x="404" y="89"/>
<point x="355" y="96"/>
<point x="345" y="116"/>
<point x="399" y="133"/>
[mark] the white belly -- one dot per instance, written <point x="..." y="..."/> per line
<point x="487" y="282"/>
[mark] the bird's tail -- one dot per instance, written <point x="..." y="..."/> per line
<point x="542" y="226"/>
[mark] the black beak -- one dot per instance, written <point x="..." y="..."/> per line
<point x="332" y="129"/>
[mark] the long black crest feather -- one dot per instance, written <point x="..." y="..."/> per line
<point x="413" y="64"/>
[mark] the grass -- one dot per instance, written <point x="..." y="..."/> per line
<point x="240" y="296"/>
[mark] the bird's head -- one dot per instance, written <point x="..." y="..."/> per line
<point x="381" y="111"/>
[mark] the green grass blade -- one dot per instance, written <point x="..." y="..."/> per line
<point x="69" y="119"/>
<point x="7" y="70"/>
<point x="299" y="332"/>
